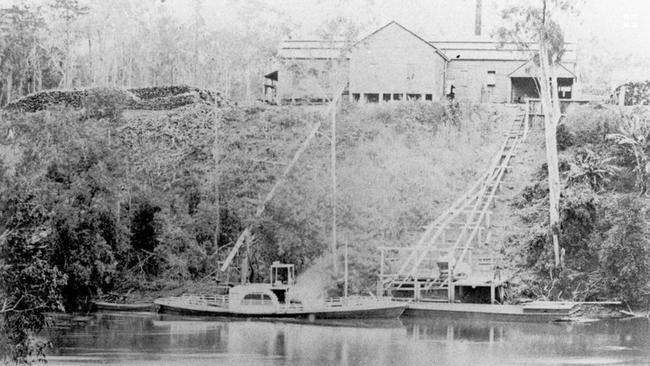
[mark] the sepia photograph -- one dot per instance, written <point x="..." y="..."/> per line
<point x="324" y="182"/>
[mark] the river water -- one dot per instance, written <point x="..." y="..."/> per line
<point x="150" y="339"/>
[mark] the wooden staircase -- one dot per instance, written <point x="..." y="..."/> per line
<point x="455" y="246"/>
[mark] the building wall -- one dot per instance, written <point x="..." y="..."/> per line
<point x="470" y="77"/>
<point x="394" y="61"/>
<point x="310" y="79"/>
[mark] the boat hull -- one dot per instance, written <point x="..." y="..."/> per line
<point x="108" y="306"/>
<point x="375" y="311"/>
<point x="518" y="313"/>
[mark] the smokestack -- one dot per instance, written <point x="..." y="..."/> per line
<point x="477" y="18"/>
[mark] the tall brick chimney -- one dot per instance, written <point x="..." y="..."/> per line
<point x="477" y="18"/>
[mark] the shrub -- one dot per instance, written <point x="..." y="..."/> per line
<point x="589" y="125"/>
<point x="564" y="137"/>
<point x="625" y="253"/>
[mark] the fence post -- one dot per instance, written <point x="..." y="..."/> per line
<point x="526" y="118"/>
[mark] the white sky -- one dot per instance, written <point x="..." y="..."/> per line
<point x="622" y="25"/>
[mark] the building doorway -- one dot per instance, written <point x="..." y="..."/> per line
<point x="523" y="88"/>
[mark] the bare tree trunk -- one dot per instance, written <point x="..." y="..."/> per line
<point x="91" y="70"/>
<point x="248" y="82"/>
<point x="9" y="84"/>
<point x="216" y="179"/>
<point x="67" y="78"/>
<point x="40" y="79"/>
<point x="333" y="172"/>
<point x="21" y="85"/>
<point x="550" y="105"/>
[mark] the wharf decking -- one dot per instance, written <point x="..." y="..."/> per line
<point x="533" y="312"/>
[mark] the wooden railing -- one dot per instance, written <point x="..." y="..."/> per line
<point x="205" y="300"/>
<point x="535" y="114"/>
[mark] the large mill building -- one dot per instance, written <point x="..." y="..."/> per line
<point x="394" y="63"/>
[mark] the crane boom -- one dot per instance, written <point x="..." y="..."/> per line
<point x="260" y="210"/>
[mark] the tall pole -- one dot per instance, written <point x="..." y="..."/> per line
<point x="345" y="283"/>
<point x="216" y="178"/>
<point x="333" y="171"/>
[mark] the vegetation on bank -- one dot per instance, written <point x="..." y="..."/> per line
<point x="604" y="213"/>
<point x="96" y="203"/>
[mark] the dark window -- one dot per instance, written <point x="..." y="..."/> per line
<point x="371" y="97"/>
<point x="564" y="91"/>
<point x="256" y="299"/>
<point x="491" y="78"/>
<point x="386" y="97"/>
<point x="397" y="96"/>
<point x="428" y="97"/>
<point x="355" y="97"/>
<point x="412" y="96"/>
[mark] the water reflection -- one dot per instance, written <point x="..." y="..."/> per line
<point x="128" y="339"/>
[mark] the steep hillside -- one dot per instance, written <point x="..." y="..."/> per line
<point x="129" y="201"/>
<point x="603" y="209"/>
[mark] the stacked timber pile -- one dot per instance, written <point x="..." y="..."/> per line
<point x="149" y="98"/>
<point x="44" y="99"/>
<point x="170" y="97"/>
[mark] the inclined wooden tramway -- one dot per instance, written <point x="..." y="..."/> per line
<point x="454" y="245"/>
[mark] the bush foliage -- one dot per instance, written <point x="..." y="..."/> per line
<point x="604" y="212"/>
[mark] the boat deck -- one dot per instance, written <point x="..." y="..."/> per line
<point x="357" y="309"/>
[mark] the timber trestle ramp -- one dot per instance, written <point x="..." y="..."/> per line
<point x="454" y="248"/>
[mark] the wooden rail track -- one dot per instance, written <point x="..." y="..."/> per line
<point x="451" y="245"/>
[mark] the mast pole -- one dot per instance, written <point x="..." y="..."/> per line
<point x="345" y="286"/>
<point x="333" y="172"/>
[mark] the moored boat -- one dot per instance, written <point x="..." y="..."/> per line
<point x="110" y="306"/>
<point x="275" y="300"/>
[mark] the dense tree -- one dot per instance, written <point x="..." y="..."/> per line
<point x="127" y="43"/>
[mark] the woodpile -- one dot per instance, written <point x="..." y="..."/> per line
<point x="45" y="99"/>
<point x="149" y="98"/>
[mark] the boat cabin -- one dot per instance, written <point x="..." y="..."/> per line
<point x="252" y="297"/>
<point x="264" y="297"/>
<point x="283" y="277"/>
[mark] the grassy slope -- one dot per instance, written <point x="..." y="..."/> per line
<point x="398" y="167"/>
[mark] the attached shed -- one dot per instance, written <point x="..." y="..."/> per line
<point x="309" y="71"/>
<point x="394" y="63"/>
<point x="524" y="84"/>
<point x="497" y="72"/>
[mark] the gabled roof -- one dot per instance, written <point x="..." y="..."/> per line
<point x="522" y="71"/>
<point x="438" y="51"/>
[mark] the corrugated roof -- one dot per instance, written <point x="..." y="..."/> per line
<point x="311" y="49"/>
<point x="487" y="50"/>
<point x="528" y="69"/>
<point x="452" y="50"/>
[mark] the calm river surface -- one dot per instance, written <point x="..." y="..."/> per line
<point x="148" y="339"/>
